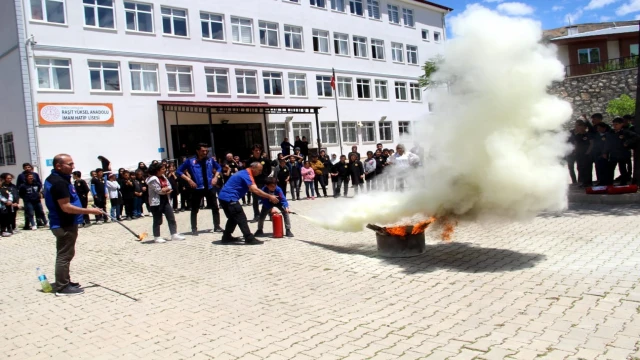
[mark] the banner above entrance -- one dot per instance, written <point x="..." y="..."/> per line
<point x="75" y="114"/>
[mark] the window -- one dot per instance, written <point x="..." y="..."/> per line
<point x="363" y="87"/>
<point x="276" y="133"/>
<point x="396" y="52"/>
<point x="377" y="49"/>
<point x="345" y="88"/>
<point x="349" y="132"/>
<point x="412" y="54"/>
<point x="321" y="41"/>
<point x="180" y="80"/>
<point x="139" y="16"/>
<point x="217" y="80"/>
<point x="293" y="37"/>
<point x="329" y="132"/>
<point x="212" y="26"/>
<point x="338" y="5"/>
<point x="381" y="90"/>
<point x="633" y="49"/>
<point x="105" y="75"/>
<point x="268" y="33"/>
<point x="436" y="36"/>
<point x="302" y="129"/>
<point x="407" y="17"/>
<point x="385" y="131"/>
<point x="9" y="151"/>
<point x="53" y="74"/>
<point x="246" y="82"/>
<point x="324" y="86"/>
<point x="356" y="7"/>
<point x="48" y="10"/>
<point x="425" y="34"/>
<point x="242" y="30"/>
<point x="359" y="46"/>
<point x="2" y="163"/>
<point x="368" y="132"/>
<point x="272" y="83"/>
<point x="401" y="91"/>
<point x="144" y="77"/>
<point x="394" y="16"/>
<point x="341" y="44"/>
<point x="297" y="84"/>
<point x="174" y="21"/>
<point x="416" y="92"/>
<point x="404" y="128"/>
<point x="99" y="13"/>
<point x="373" y="8"/>
<point x="319" y="3"/>
<point x="588" y="56"/>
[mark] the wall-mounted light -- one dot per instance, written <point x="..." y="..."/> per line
<point x="288" y="118"/>
<point x="383" y="118"/>
<point x="224" y="122"/>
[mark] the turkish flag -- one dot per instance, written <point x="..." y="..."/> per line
<point x="333" y="83"/>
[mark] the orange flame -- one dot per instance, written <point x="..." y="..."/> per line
<point x="449" y="227"/>
<point x="142" y="236"/>
<point x="418" y="228"/>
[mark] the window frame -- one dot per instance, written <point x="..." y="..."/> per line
<point x="268" y="75"/>
<point x="102" y="78"/>
<point x="172" y="18"/>
<point x="335" y="8"/>
<point x="302" y="133"/>
<point x="296" y="79"/>
<point x="292" y="36"/>
<point x="268" y="33"/>
<point x="50" y="68"/>
<point x="2" y="159"/>
<point x="95" y="7"/>
<point x="313" y="4"/>
<point x="209" y="23"/>
<point x="177" y="73"/>
<point x="349" y="126"/>
<point x="415" y="92"/>
<point x="9" y="149"/>
<point x="324" y="81"/>
<point x="326" y="127"/>
<point x="344" y="83"/>
<point x="244" y="82"/>
<point x="374" y="43"/>
<point x="240" y="26"/>
<point x="380" y="84"/>
<point x="404" y="128"/>
<point x="273" y="132"/>
<point x="371" y="5"/>
<point x="337" y="40"/>
<point x="382" y="125"/>
<point x="353" y="7"/>
<point x="368" y="125"/>
<point x="45" y="14"/>
<point x="358" y="45"/>
<point x="214" y="77"/>
<point x="410" y="52"/>
<point x="398" y="85"/>
<point x="141" y="72"/>
<point x="362" y="83"/>
<point x="437" y="37"/>
<point x="135" y="12"/>
<point x="316" y="34"/>
<point x="395" y="51"/>
<point x="427" y="37"/>
<point x="406" y="15"/>
<point x="588" y="50"/>
<point x="390" y="10"/>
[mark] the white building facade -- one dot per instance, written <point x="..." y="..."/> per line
<point x="90" y="77"/>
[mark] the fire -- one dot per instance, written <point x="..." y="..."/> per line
<point x="448" y="227"/>
<point x="405" y="230"/>
<point x="142" y="236"/>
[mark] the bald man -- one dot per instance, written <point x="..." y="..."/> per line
<point x="234" y="189"/>
<point x="65" y="214"/>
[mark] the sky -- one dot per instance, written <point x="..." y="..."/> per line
<point x="553" y="14"/>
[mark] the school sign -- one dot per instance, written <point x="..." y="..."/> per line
<point x="75" y="114"/>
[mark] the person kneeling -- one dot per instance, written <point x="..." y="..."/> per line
<point x="272" y="188"/>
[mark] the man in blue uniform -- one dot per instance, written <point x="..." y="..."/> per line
<point x="232" y="191"/>
<point x="201" y="177"/>
<point x="65" y="213"/>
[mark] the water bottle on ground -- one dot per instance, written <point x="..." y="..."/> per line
<point x="46" y="287"/>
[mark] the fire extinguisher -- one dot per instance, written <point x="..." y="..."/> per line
<point x="276" y="220"/>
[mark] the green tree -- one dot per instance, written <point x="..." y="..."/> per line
<point x="429" y="68"/>
<point x="621" y="106"/>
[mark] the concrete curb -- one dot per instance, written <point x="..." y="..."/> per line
<point x="580" y="197"/>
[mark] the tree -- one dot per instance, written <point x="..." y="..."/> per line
<point x="429" y="68"/>
<point x="621" y="106"/>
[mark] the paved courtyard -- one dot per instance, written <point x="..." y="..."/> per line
<point x="563" y="286"/>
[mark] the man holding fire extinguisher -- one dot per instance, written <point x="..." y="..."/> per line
<point x="272" y="188"/>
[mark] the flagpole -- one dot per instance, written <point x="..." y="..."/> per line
<point x="335" y="94"/>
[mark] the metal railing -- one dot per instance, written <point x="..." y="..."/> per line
<point x="622" y="63"/>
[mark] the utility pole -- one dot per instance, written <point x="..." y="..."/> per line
<point x="637" y="60"/>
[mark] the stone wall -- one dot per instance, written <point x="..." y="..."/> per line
<point x="590" y="94"/>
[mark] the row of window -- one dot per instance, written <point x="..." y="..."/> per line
<point x="56" y="75"/>
<point x="7" y="151"/>
<point x="139" y="18"/>
<point x="277" y="132"/>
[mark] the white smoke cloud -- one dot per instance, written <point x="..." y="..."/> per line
<point x="495" y="141"/>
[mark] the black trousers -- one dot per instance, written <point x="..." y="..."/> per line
<point x="295" y="188"/>
<point x="571" y="164"/>
<point x="128" y="207"/>
<point x="85" y="202"/>
<point x="256" y="204"/>
<point x="65" y="251"/>
<point x="174" y="199"/>
<point x="320" y="179"/>
<point x="185" y="199"/>
<point x="235" y="217"/>
<point x="163" y="209"/>
<point x="212" y="203"/>
<point x="622" y="165"/>
<point x="636" y="166"/>
<point x="283" y="186"/>
<point x="585" y="169"/>
<point x="338" y="185"/>
<point x="5" y="221"/>
<point x="602" y="171"/>
<point x="100" y="202"/>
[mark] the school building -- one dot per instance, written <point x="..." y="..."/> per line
<point x="135" y="80"/>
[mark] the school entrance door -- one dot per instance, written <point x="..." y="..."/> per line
<point x="227" y="138"/>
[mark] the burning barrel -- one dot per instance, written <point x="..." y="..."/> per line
<point x="401" y="241"/>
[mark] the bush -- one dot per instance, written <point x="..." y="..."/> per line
<point x="621" y="106"/>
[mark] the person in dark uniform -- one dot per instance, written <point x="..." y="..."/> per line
<point x="82" y="189"/>
<point x="202" y="171"/>
<point x="304" y="148"/>
<point x="256" y="157"/>
<point x="283" y="175"/>
<point x="295" y="177"/>
<point x="602" y="139"/>
<point x="627" y="125"/>
<point x="341" y="171"/>
<point x="571" y="157"/>
<point x="297" y="146"/>
<point x="326" y="161"/>
<point x="354" y="150"/>
<point x="230" y="195"/>
<point x="582" y="151"/>
<point x="620" y="151"/>
<point x="99" y="192"/>
<point x="286" y="147"/>
<point x="356" y="171"/>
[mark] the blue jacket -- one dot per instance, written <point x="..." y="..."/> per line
<point x="283" y="199"/>
<point x="54" y="186"/>
<point x="192" y="166"/>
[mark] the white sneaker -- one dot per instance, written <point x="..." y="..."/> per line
<point x="34" y="227"/>
<point x="177" y="237"/>
<point x="159" y="240"/>
<point x="6" y="234"/>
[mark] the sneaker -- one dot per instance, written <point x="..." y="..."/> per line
<point x="253" y="241"/>
<point x="289" y="233"/>
<point x="258" y="233"/>
<point x="74" y="285"/>
<point x="159" y="240"/>
<point x="33" y="228"/>
<point x="14" y="231"/>
<point x="227" y="240"/>
<point x="69" y="290"/>
<point x="194" y="232"/>
<point x="6" y="234"/>
<point x="177" y="237"/>
<point x="217" y="228"/>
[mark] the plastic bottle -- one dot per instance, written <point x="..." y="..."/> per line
<point x="46" y="287"/>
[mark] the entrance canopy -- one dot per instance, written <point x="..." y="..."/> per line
<point x="211" y="108"/>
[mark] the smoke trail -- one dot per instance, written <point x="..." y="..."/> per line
<point x="495" y="142"/>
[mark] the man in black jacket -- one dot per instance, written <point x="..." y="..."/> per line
<point x="256" y="151"/>
<point x="82" y="189"/>
<point x="342" y="173"/>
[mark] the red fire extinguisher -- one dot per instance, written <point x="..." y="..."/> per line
<point x="276" y="220"/>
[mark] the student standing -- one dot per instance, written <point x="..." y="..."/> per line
<point x="600" y="153"/>
<point x="620" y="151"/>
<point x="583" y="145"/>
<point x="283" y="176"/>
<point x="175" y="188"/>
<point x="308" y="174"/>
<point x="256" y="157"/>
<point x="341" y="171"/>
<point x="356" y="171"/>
<point x="6" y="200"/>
<point x="295" y="177"/>
<point x="127" y="189"/>
<point x="160" y="203"/>
<point x="82" y="189"/>
<point x="7" y="183"/>
<point x="99" y="192"/>
<point x="370" y="170"/>
<point x="113" y="189"/>
<point x="30" y="193"/>
<point x="318" y="167"/>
